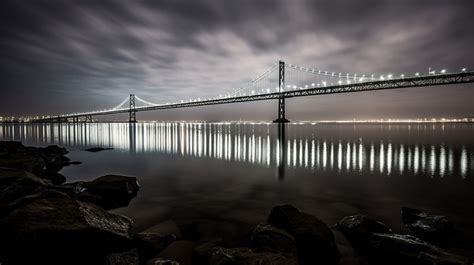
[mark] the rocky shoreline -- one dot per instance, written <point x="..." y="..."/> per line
<point x="45" y="221"/>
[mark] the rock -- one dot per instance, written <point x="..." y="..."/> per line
<point x="167" y="227"/>
<point x="314" y="240"/>
<point x="245" y="256"/>
<point x="203" y="249"/>
<point x="51" y="227"/>
<point x="110" y="191"/>
<point x="426" y="225"/>
<point x="97" y="149"/>
<point x="150" y="244"/>
<point x="160" y="261"/>
<point x="17" y="183"/>
<point x="44" y="162"/>
<point x="266" y="237"/>
<point x="406" y="249"/>
<point x="180" y="250"/>
<point x="358" y="229"/>
<point x="124" y="258"/>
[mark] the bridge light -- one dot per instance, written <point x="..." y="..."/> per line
<point x="382" y="78"/>
<point x="402" y="75"/>
<point x="348" y="81"/>
<point x="312" y="84"/>
<point x="389" y="76"/>
<point x="417" y="74"/>
<point x="253" y="92"/>
<point x="324" y="83"/>
<point x="268" y="90"/>
<point x="339" y="82"/>
<point x="463" y="70"/>
<point x="443" y="71"/>
<point x="294" y="87"/>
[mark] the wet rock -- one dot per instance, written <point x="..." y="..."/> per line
<point x="41" y="161"/>
<point x="160" y="261"/>
<point x="150" y="244"/>
<point x="97" y="149"/>
<point x="52" y="227"/>
<point x="245" y="256"/>
<point x="123" y="258"/>
<point x="406" y="249"/>
<point x="266" y="237"/>
<point x="180" y="251"/>
<point x="426" y="225"/>
<point x="203" y="249"/>
<point x="17" y="183"/>
<point x="358" y="229"/>
<point x="110" y="191"/>
<point x="314" y="240"/>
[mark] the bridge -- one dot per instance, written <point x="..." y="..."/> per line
<point x="279" y="82"/>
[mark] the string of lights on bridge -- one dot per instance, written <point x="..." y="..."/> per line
<point x="296" y="78"/>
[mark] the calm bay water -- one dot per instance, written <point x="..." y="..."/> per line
<point x="221" y="178"/>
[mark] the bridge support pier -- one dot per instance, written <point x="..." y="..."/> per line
<point x="281" y="100"/>
<point x="88" y="118"/>
<point x="132" y="111"/>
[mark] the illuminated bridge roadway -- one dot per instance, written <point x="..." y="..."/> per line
<point x="279" y="82"/>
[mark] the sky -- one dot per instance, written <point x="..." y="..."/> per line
<point x="70" y="56"/>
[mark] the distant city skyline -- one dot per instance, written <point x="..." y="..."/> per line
<point x="62" y="57"/>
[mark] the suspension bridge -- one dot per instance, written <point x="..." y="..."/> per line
<point x="279" y="82"/>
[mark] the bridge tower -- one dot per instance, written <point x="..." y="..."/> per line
<point x="281" y="100"/>
<point x="132" y="111"/>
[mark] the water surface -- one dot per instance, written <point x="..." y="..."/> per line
<point x="222" y="178"/>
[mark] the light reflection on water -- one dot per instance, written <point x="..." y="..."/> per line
<point x="386" y="150"/>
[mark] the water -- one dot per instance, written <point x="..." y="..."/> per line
<point x="222" y="178"/>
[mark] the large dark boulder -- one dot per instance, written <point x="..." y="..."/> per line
<point x="17" y="183"/>
<point x="374" y="241"/>
<point x="426" y="225"/>
<point x="44" y="162"/>
<point x="394" y="249"/>
<point x="266" y="237"/>
<point x="110" y="191"/>
<point x="52" y="228"/>
<point x="245" y="256"/>
<point x="358" y="229"/>
<point x="315" y="242"/>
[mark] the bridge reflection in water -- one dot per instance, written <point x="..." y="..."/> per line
<point x="312" y="147"/>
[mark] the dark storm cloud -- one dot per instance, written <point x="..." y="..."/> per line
<point x="80" y="55"/>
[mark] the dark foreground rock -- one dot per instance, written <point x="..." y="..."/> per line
<point x="266" y="237"/>
<point x="123" y="258"/>
<point x="426" y="225"/>
<point x="52" y="228"/>
<point x="17" y="183"/>
<point x="44" y="162"/>
<point x="245" y="256"/>
<point x="160" y="261"/>
<point x="358" y="229"/>
<point x="97" y="149"/>
<point x="407" y="249"/>
<point x="373" y="240"/>
<point x="315" y="242"/>
<point x="109" y="192"/>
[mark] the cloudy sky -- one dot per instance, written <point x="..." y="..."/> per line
<point x="67" y="56"/>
